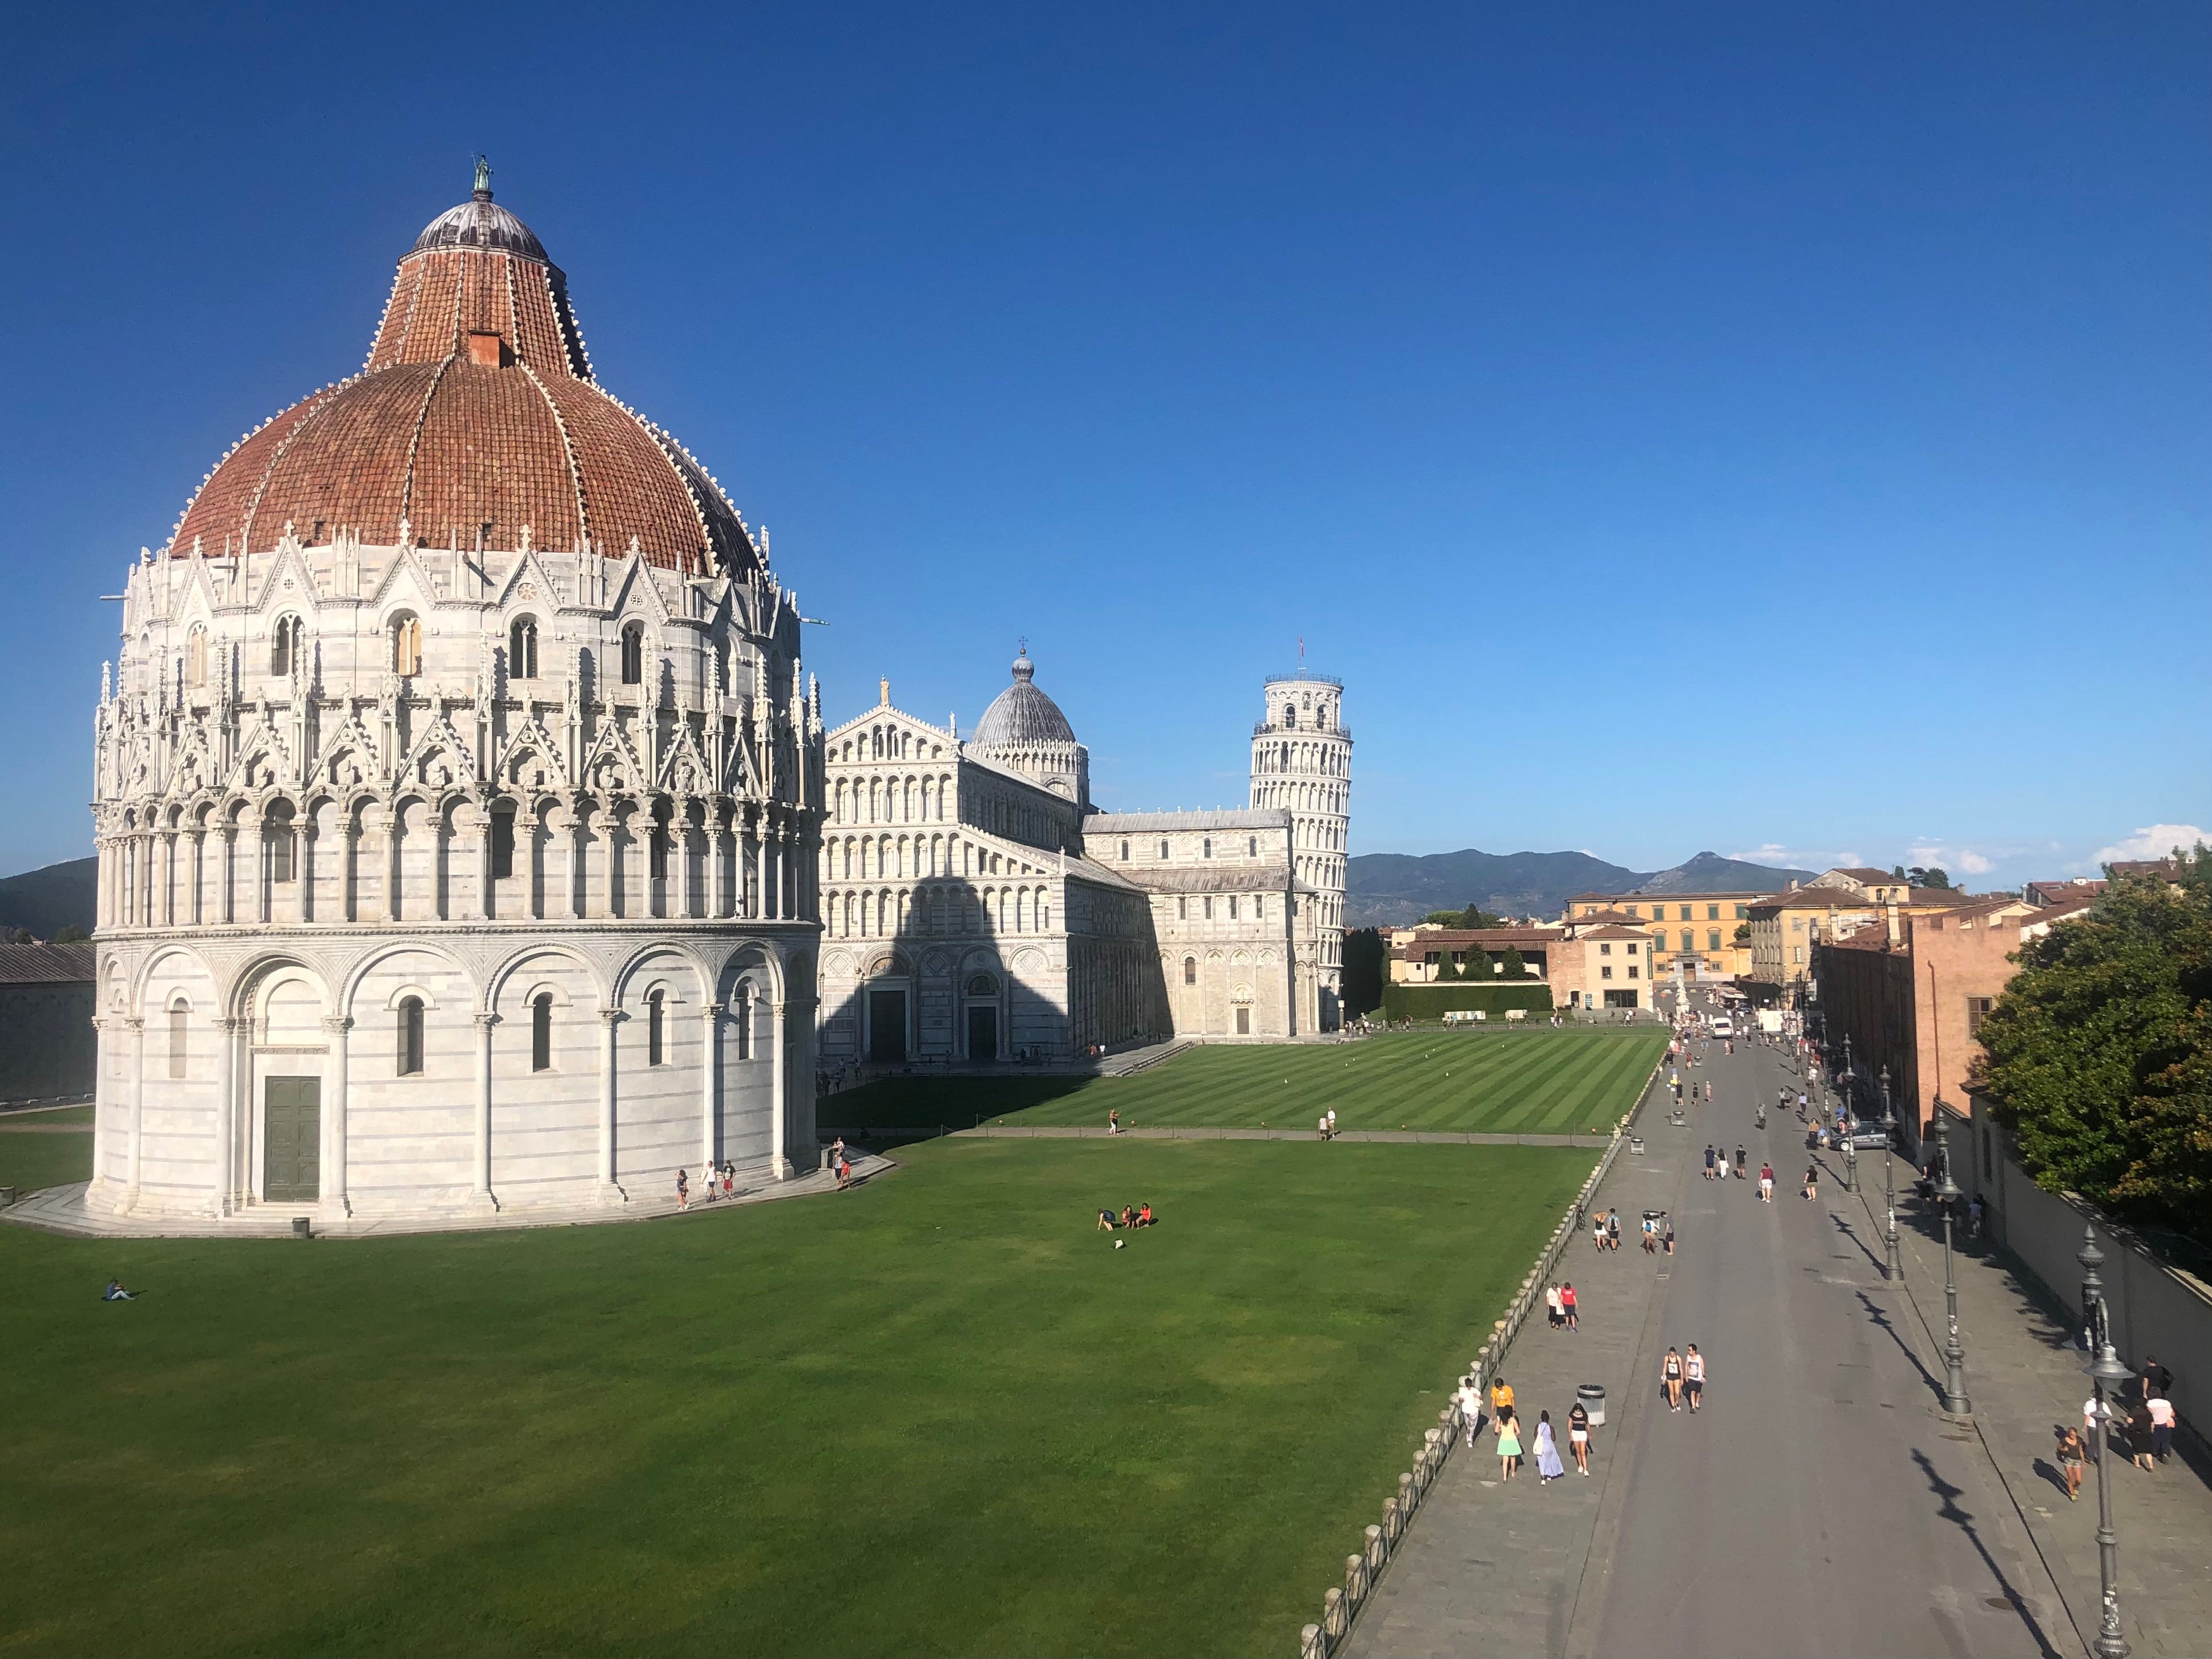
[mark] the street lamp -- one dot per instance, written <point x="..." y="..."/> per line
<point x="2106" y="1371"/>
<point x="1954" y="1357"/>
<point x="1892" y="1268"/>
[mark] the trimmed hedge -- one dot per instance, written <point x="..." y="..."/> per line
<point x="1434" y="1001"/>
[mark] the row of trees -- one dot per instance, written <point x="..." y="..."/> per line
<point x="1477" y="964"/>
<point x="2098" y="1056"/>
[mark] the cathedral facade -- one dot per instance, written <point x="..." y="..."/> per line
<point x="458" y="796"/>
<point x="977" y="909"/>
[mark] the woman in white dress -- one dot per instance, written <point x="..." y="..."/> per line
<point x="1548" y="1467"/>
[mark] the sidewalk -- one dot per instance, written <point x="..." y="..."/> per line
<point x="1494" y="1569"/>
<point x="2024" y="1375"/>
<point x="1197" y="1131"/>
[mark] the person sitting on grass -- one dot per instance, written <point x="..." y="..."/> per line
<point x="115" y="1292"/>
<point x="1105" y="1222"/>
<point x="1145" y="1217"/>
<point x="1128" y="1215"/>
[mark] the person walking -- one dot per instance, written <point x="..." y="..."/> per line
<point x="1709" y="1160"/>
<point x="1740" y="1161"/>
<point x="1693" y="1376"/>
<point x="2160" y="1410"/>
<point x="1508" y="1445"/>
<point x="1812" y="1182"/>
<point x="1667" y="1241"/>
<point x="1767" y="1183"/>
<point x="1597" y="1232"/>
<point x="682" y="1190"/>
<point x="1470" y="1407"/>
<point x="1332" y="1123"/>
<point x="1114" y="1121"/>
<point x="1613" y="1231"/>
<point x="1553" y="1315"/>
<point x="1670" y="1379"/>
<point x="1651" y="1237"/>
<point x="2069" y="1461"/>
<point x="1548" y="1467"/>
<point x="1567" y="1305"/>
<point x="2156" y="1379"/>
<point x="1578" y="1436"/>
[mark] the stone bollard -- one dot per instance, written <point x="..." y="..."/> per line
<point x="1377" y="1552"/>
<point x="1311" y="1645"/>
<point x="1355" y="1582"/>
<point x="1408" y="1494"/>
<point x="1394" y="1524"/>
<point x="1335" y="1618"/>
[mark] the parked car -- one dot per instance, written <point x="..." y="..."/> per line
<point x="1723" y="1026"/>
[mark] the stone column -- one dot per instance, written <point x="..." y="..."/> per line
<point x="779" y="1163"/>
<point x="610" y="1191"/>
<point x="335" y="1201"/>
<point x="134" y="1077"/>
<point x="766" y="906"/>
<point x="387" y="850"/>
<point x="534" y="870"/>
<point x="486" y="896"/>
<point x="225" y="1110"/>
<point x="480" y="1191"/>
<point x="710" y="1074"/>
<point x="349" y="868"/>
<point x="680" y="833"/>
<point x="262" y="884"/>
<point x="718" y="883"/>
<point x="168" y="878"/>
<point x="303" y="872"/>
<point x="199" y="876"/>
<point x="574" y="868"/>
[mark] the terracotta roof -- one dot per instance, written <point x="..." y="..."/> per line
<point x="1817" y="898"/>
<point x="1863" y="874"/>
<point x="2065" y="890"/>
<point x="476" y="406"/>
<point x="46" y="965"/>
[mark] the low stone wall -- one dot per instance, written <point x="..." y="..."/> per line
<point x="1340" y="1606"/>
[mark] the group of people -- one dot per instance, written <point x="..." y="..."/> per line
<point x="2142" y="1434"/>
<point x="713" y="1183"/>
<point x="1560" y="1306"/>
<point x="1682" y="1378"/>
<point x="1132" y="1215"/>
<point x="1604" y="1229"/>
<point x="1325" y="1129"/>
<point x="1505" y="1422"/>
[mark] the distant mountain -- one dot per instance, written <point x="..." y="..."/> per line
<point x="1389" y="890"/>
<point x="46" y="901"/>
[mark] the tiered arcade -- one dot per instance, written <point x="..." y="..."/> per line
<point x="1302" y="762"/>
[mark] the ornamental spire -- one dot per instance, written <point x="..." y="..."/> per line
<point x="482" y="191"/>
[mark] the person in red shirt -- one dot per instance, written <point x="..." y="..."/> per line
<point x="1567" y="1305"/>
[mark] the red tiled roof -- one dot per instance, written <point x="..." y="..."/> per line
<point x="426" y="435"/>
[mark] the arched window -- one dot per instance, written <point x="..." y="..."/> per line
<point x="541" y="1032"/>
<point x="522" y="649"/>
<point x="656" y="1029"/>
<point x="1125" y="851"/>
<point x="276" y="832"/>
<point x="633" y="653"/>
<point x="1190" y="970"/>
<point x="180" y="1014"/>
<point x="1209" y="846"/>
<point x="982" y="985"/>
<point x="411" y="1036"/>
<point x="406" y="644"/>
<point x="1251" y="847"/>
<point x="502" y="840"/>
<point x="1163" y="852"/>
<point x="196" y="657"/>
<point x="288" y="648"/>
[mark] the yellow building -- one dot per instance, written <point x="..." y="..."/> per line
<point x="1707" y="934"/>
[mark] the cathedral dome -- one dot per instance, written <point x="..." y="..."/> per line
<point x="1021" y="716"/>
<point x="476" y="420"/>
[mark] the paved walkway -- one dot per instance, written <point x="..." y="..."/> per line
<point x="62" y="1210"/>
<point x="1069" y="1131"/>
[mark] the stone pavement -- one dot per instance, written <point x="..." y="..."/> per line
<point x="1821" y="1504"/>
<point x="2024" y="1375"/>
<point x="62" y="1210"/>
<point x="1495" y="1568"/>
<point x="1071" y="1132"/>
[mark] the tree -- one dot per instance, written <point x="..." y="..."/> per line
<point x="1512" y="965"/>
<point x="1743" y="932"/>
<point x="1928" y="876"/>
<point x="72" y="934"/>
<point x="1475" y="916"/>
<point x="1445" y="969"/>
<point x="1478" y="964"/>
<point x="22" y="936"/>
<point x="1364" y="961"/>
<point x="2098" y="1054"/>
<point x="1442" y="918"/>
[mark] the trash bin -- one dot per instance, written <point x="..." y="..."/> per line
<point x="1635" y="1144"/>
<point x="302" y="1227"/>
<point x="1592" y="1398"/>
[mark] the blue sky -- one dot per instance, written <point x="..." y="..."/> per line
<point x="1718" y="427"/>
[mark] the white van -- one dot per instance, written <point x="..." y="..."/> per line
<point x="1723" y="1026"/>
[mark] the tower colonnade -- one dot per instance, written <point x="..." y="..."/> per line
<point x="1302" y="762"/>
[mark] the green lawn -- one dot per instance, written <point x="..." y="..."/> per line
<point x="1517" y="1082"/>
<point x="31" y="1160"/>
<point x="937" y="1415"/>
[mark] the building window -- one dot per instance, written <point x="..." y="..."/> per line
<point x="1605" y="973"/>
<point x="1251" y="847"/>
<point x="522" y="649"/>
<point x="1689" y="941"/>
<point x="289" y="646"/>
<point x="1743" y="913"/>
<point x="1797" y="955"/>
<point x="1125" y="851"/>
<point x="179" y="1014"/>
<point x="541" y="1032"/>
<point x="660" y="853"/>
<point x="1208" y="901"/>
<point x="406" y="644"/>
<point x="1182" y="912"/>
<point x="502" y="842"/>
<point x="1190" y="970"/>
<point x="1631" y="973"/>
<point x="656" y="1029"/>
<point x="1712" y="913"/>
<point x="1164" y="851"/>
<point x="1712" y="939"/>
<point x="1209" y="846"/>
<point x="1259" y="907"/>
<point x="1977" y="1009"/>
<point x="196" y="657"/>
<point x="411" y="1036"/>
<point x="633" y="653"/>
<point x="1605" y="950"/>
<point x="1232" y="907"/>
<point x="1632" y="910"/>
<point x="281" y="862"/>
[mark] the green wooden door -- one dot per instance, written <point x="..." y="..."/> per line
<point x="292" y="1165"/>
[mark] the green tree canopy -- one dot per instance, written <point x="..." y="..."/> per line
<point x="1445" y="969"/>
<point x="1511" y="964"/>
<point x="1442" y="918"/>
<point x="1924" y="875"/>
<point x="1475" y="916"/>
<point x="71" y="934"/>
<point x="1478" y="964"/>
<point x="2098" y="1054"/>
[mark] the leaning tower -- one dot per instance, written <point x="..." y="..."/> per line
<point x="1302" y="760"/>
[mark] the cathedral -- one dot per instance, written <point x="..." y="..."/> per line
<point x="471" y="845"/>
<point x="978" y="908"/>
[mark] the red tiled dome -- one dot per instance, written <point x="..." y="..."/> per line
<point x="476" y="408"/>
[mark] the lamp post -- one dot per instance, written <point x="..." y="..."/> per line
<point x="1892" y="1268"/>
<point x="2106" y="1371"/>
<point x="1955" y="1355"/>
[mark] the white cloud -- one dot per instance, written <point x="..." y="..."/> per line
<point x="2153" y="841"/>
<point x="1774" y="853"/>
<point x="1963" y="860"/>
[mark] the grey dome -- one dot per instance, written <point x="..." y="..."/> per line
<point x="481" y="223"/>
<point x="1021" y="716"/>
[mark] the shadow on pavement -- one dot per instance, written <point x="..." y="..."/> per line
<point x="1964" y="1520"/>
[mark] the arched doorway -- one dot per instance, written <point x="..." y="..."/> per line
<point x="979" y="1017"/>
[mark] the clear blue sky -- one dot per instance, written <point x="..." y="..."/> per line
<point x="1721" y="427"/>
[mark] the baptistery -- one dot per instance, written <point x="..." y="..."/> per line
<point x="457" y="794"/>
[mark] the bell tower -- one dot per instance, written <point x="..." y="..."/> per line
<point x="1302" y="761"/>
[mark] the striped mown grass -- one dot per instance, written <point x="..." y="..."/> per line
<point x="1495" y="1082"/>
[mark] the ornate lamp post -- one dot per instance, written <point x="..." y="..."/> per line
<point x="1892" y="1268"/>
<point x="1954" y="1357"/>
<point x="2106" y="1372"/>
